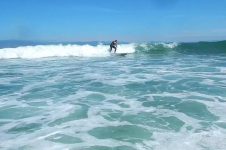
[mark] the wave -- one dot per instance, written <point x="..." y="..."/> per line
<point x="42" y="51"/>
<point x="156" y="48"/>
<point x="184" y="48"/>
<point x="202" y="47"/>
<point x="101" y="50"/>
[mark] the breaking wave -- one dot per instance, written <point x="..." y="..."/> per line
<point x="42" y="51"/>
<point x="75" y="50"/>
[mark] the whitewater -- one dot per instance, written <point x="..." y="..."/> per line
<point x="161" y="96"/>
<point x="41" y="51"/>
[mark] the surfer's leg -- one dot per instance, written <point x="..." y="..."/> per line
<point x="114" y="48"/>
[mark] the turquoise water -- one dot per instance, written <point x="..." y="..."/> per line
<point x="138" y="102"/>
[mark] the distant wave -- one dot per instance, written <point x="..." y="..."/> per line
<point x="76" y="50"/>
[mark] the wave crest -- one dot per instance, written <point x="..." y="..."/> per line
<point x="156" y="47"/>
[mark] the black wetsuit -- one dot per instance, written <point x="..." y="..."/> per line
<point x="113" y="45"/>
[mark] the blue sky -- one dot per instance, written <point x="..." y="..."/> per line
<point x="103" y="20"/>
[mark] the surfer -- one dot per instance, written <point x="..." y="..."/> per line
<point x="114" y="45"/>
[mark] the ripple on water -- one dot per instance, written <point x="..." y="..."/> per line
<point x="196" y="110"/>
<point x="129" y="133"/>
<point x="155" y="121"/>
<point x="12" y="112"/>
<point x="26" y="128"/>
<point x="221" y="124"/>
<point x="107" y="148"/>
<point x="193" y="109"/>
<point x="64" y="139"/>
<point x="10" y="89"/>
<point x="94" y="99"/>
<point x="77" y="114"/>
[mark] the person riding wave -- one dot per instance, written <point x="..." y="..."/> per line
<point x="114" y="45"/>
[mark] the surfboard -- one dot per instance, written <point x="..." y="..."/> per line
<point x="119" y="54"/>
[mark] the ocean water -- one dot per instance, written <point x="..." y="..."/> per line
<point x="161" y="96"/>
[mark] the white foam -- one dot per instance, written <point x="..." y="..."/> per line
<point x="222" y="69"/>
<point x="169" y="45"/>
<point x="42" y="51"/>
<point x="213" y="139"/>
